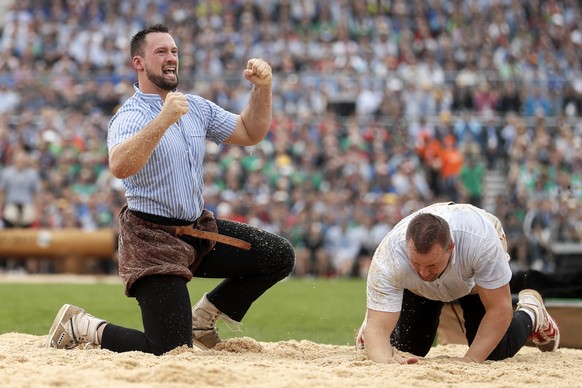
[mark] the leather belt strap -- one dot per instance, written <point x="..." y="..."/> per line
<point x="458" y="317"/>
<point x="190" y="231"/>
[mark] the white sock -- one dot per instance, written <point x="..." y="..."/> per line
<point x="531" y="315"/>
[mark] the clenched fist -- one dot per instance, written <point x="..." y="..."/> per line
<point x="175" y="106"/>
<point x="258" y="72"/>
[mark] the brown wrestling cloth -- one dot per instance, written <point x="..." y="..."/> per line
<point x="190" y="231"/>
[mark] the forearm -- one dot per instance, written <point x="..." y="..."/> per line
<point x="376" y="331"/>
<point x="129" y="156"/>
<point x="491" y="330"/>
<point x="256" y="117"/>
<point x="378" y="348"/>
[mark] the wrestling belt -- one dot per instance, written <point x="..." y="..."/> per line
<point x="190" y="231"/>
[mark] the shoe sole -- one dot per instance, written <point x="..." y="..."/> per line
<point x="552" y="345"/>
<point x="199" y="346"/>
<point x="64" y="314"/>
<point x="206" y="341"/>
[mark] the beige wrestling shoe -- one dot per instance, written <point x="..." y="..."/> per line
<point x="545" y="334"/>
<point x="204" y="317"/>
<point x="73" y="326"/>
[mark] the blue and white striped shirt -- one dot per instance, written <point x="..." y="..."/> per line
<point x="171" y="182"/>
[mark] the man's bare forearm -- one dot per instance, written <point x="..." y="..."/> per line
<point x="129" y="156"/>
<point x="258" y="114"/>
<point x="490" y="332"/>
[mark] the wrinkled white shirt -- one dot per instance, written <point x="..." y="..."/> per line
<point x="479" y="258"/>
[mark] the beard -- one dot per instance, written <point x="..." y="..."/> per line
<point x="161" y="82"/>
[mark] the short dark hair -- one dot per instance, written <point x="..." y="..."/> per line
<point x="138" y="39"/>
<point x="425" y="229"/>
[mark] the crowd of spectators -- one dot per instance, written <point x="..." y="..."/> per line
<point x="380" y="107"/>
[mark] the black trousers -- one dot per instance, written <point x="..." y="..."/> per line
<point x="165" y="303"/>
<point x="417" y="326"/>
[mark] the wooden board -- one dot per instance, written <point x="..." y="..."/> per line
<point x="57" y="243"/>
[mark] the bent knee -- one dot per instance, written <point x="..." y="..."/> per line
<point x="281" y="258"/>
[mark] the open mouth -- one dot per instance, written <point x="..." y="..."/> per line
<point x="170" y="71"/>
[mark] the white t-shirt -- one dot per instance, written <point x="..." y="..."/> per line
<point x="479" y="258"/>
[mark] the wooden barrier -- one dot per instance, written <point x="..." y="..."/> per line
<point x="70" y="246"/>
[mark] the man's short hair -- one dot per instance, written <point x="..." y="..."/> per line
<point x="426" y="229"/>
<point x="137" y="41"/>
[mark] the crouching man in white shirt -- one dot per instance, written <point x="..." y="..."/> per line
<point x="439" y="254"/>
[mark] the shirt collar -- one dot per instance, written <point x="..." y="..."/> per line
<point x="146" y="95"/>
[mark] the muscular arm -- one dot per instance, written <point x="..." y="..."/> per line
<point x="255" y="120"/>
<point x="498" y="314"/>
<point x="376" y="332"/>
<point x="129" y="156"/>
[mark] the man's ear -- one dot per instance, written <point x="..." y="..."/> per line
<point x="137" y="62"/>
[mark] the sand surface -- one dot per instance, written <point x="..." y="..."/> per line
<point x="244" y="362"/>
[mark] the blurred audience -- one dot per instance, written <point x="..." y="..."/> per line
<point x="380" y="108"/>
<point x="20" y="188"/>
